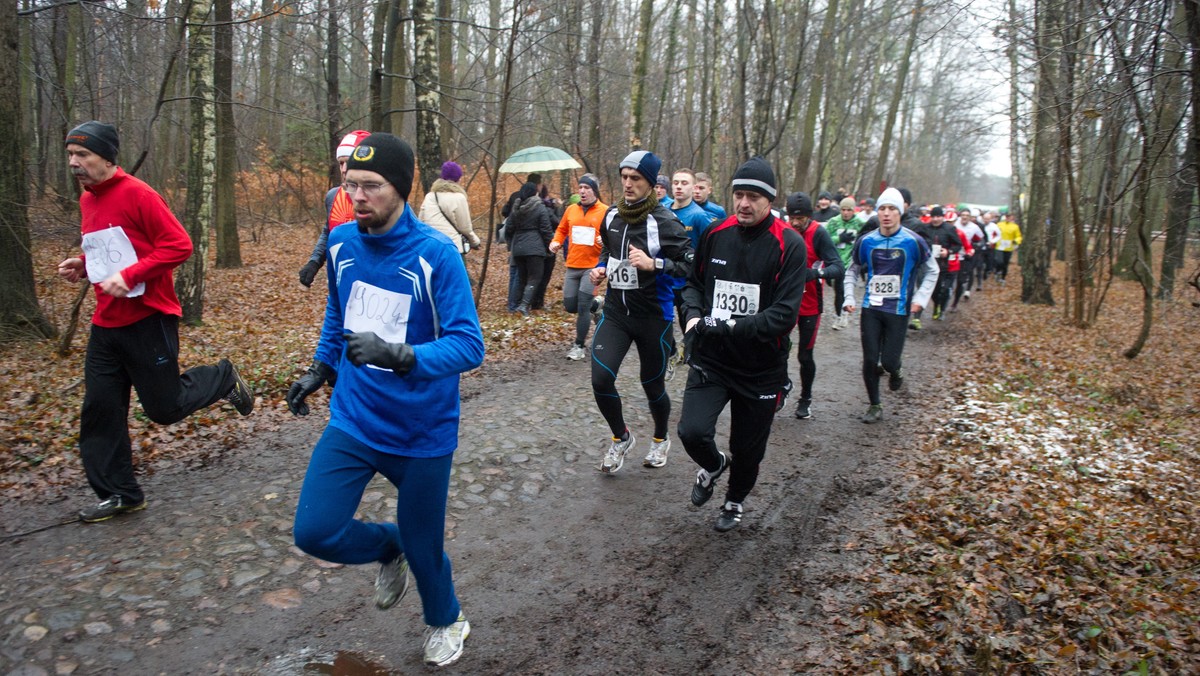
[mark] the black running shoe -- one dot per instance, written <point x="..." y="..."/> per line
<point x="108" y="508"/>
<point x="730" y="517"/>
<point x="895" y="380"/>
<point x="240" y="395"/>
<point x="702" y="490"/>
<point x="802" y="409"/>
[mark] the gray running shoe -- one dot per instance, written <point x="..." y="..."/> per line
<point x="615" y="456"/>
<point x="702" y="490"/>
<point x="576" y="353"/>
<point x="392" y="583"/>
<point x="597" y="309"/>
<point x="108" y="508"/>
<point x="730" y="517"/>
<point x="444" y="645"/>
<point x="657" y="457"/>
<point x="874" y="414"/>
<point x="802" y="409"/>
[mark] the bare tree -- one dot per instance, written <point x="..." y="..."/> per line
<point x="229" y="249"/>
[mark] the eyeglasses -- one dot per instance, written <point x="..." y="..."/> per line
<point x="369" y="189"/>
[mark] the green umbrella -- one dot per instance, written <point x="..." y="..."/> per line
<point x="538" y="158"/>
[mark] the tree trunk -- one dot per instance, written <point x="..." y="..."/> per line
<point x="816" y="94"/>
<point x="1179" y="211"/>
<point x="375" y="91"/>
<point x="637" y="94"/>
<point x="229" y="250"/>
<point x="499" y="153"/>
<point x="445" y="60"/>
<point x="592" y="159"/>
<point x="19" y="311"/>
<point x="265" y="47"/>
<point x="1035" y="249"/>
<point x="897" y="94"/>
<point x="1014" y="116"/>
<point x="425" y="64"/>
<point x="397" y="61"/>
<point x="333" y="92"/>
<point x="189" y="281"/>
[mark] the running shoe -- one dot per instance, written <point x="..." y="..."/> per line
<point x="874" y="414"/>
<point x="937" y="315"/>
<point x="670" y="372"/>
<point x="966" y="295"/>
<point x="915" y="324"/>
<point x="705" y="481"/>
<point x="240" y="395"/>
<point x="657" y="457"/>
<point x="802" y="409"/>
<point x="597" y="309"/>
<point x="576" y="353"/>
<point x="730" y="517"/>
<point x="444" y="645"/>
<point x="392" y="583"/>
<point x="895" y="380"/>
<point x="615" y="456"/>
<point x="108" y="508"/>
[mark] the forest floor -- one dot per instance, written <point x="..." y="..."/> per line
<point x="1026" y="507"/>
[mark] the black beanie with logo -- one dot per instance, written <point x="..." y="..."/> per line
<point x="755" y="175"/>
<point x="98" y="137"/>
<point x="388" y="156"/>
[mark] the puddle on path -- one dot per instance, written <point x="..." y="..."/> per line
<point x="340" y="663"/>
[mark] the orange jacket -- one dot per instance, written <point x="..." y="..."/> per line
<point x="581" y="254"/>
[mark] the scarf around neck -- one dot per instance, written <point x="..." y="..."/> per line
<point x="635" y="213"/>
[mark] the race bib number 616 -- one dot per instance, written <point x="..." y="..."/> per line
<point x="621" y="274"/>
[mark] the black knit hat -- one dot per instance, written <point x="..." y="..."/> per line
<point x="799" y="204"/>
<point x="907" y="195"/>
<point x="98" y="137"/>
<point x="590" y="181"/>
<point x="388" y="156"/>
<point x="825" y="195"/>
<point x="755" y="175"/>
<point x="937" y="211"/>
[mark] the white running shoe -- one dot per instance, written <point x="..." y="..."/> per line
<point x="576" y="353"/>
<point x="444" y="645"/>
<point x="657" y="457"/>
<point x="615" y="456"/>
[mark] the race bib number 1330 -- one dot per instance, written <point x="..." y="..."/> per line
<point x="734" y="299"/>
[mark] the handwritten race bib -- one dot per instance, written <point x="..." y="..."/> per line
<point x="108" y="252"/>
<point x="583" y="235"/>
<point x="881" y="287"/>
<point x="621" y="274"/>
<point x="383" y="312"/>
<point x="734" y="299"/>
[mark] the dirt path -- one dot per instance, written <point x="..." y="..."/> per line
<point x="559" y="568"/>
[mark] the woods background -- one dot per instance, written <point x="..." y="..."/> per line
<point x="232" y="110"/>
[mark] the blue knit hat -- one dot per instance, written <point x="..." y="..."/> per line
<point x="645" y="162"/>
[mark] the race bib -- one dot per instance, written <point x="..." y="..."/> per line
<point x="108" y="252"/>
<point x="881" y="287"/>
<point x="583" y="235"/>
<point x="1004" y="244"/>
<point x="937" y="250"/>
<point x="382" y="312"/>
<point x="734" y="299"/>
<point x="621" y="274"/>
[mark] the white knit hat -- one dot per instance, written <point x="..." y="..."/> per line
<point x="890" y="197"/>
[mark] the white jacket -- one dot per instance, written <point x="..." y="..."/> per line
<point x="445" y="209"/>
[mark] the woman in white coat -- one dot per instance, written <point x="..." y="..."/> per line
<point x="446" y="210"/>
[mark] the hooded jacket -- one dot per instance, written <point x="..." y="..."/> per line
<point x="445" y="209"/>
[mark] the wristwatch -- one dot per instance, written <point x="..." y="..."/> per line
<point x="658" y="264"/>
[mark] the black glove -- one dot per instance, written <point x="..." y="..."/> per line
<point x="847" y="236"/>
<point x="711" y="326"/>
<point x="689" y="344"/>
<point x="368" y="348"/>
<point x="309" y="272"/>
<point x="310" y="382"/>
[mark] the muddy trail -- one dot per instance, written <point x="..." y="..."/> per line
<point x="559" y="568"/>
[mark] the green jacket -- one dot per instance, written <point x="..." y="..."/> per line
<point x="844" y="244"/>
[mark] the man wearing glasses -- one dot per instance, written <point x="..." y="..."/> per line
<point x="400" y="326"/>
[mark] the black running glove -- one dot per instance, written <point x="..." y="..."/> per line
<point x="310" y="382"/>
<point x="368" y="348"/>
<point x="711" y="326"/>
<point x="309" y="272"/>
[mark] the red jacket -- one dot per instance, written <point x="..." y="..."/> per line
<point x="158" y="239"/>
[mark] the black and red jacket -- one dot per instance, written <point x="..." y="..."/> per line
<point x="819" y="245"/>
<point x="770" y="255"/>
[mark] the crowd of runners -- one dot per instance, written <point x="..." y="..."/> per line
<point x="670" y="271"/>
<point x="726" y="291"/>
